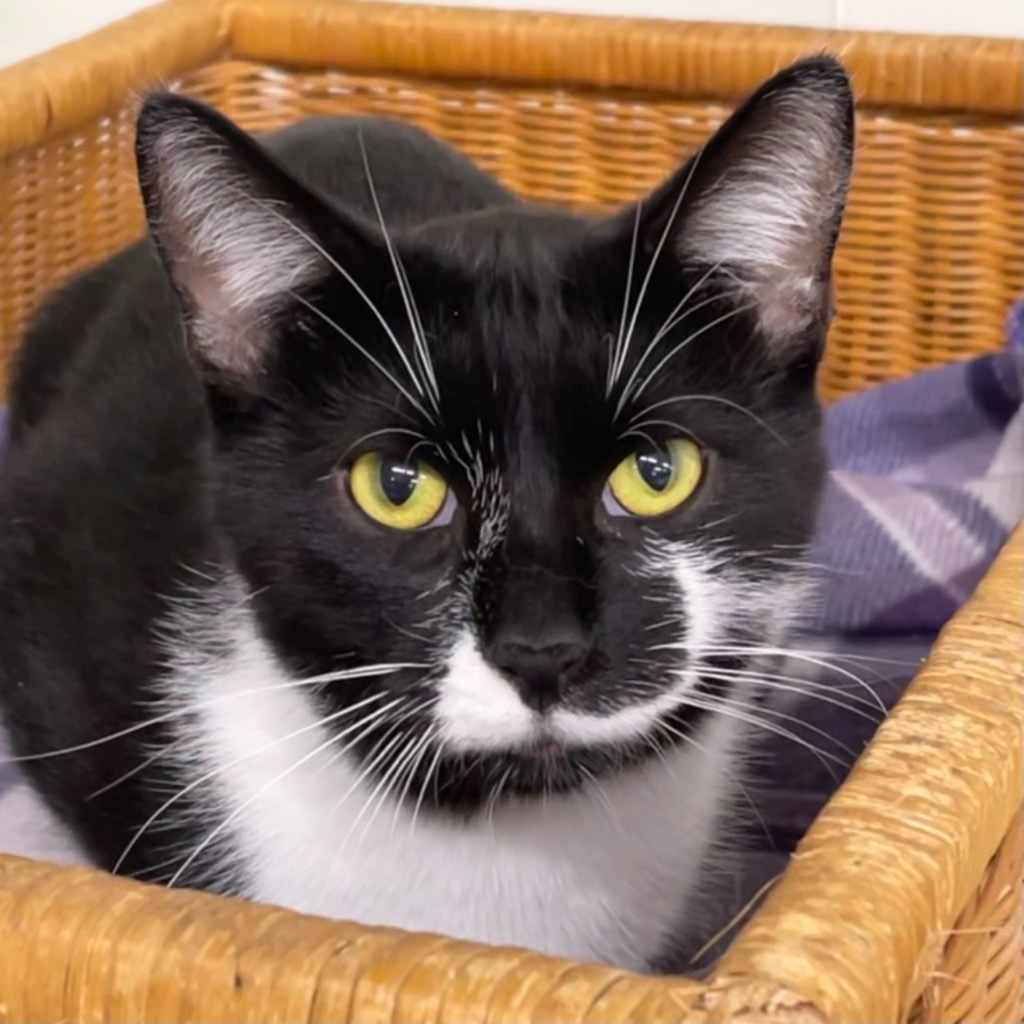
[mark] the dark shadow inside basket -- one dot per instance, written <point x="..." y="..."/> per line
<point x="791" y="778"/>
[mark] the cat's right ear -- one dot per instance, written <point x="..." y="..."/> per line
<point x="237" y="234"/>
<point x="759" y="208"/>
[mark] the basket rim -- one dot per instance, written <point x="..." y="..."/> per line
<point x="71" y="84"/>
<point x="794" y="960"/>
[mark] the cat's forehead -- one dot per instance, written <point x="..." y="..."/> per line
<point x="518" y="245"/>
<point x="531" y="428"/>
<point x="522" y="314"/>
<point x="507" y="340"/>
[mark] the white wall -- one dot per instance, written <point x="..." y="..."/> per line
<point x="28" y="27"/>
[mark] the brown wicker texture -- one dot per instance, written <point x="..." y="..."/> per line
<point x="906" y="897"/>
<point x="980" y="974"/>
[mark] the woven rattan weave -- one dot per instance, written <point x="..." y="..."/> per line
<point x="906" y="899"/>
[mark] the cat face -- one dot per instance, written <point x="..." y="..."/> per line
<point x="559" y="471"/>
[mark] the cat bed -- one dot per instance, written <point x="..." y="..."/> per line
<point x="905" y="896"/>
<point x="926" y="486"/>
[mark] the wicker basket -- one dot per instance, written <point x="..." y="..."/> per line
<point x="906" y="900"/>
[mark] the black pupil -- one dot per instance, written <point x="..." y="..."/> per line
<point x="398" y="480"/>
<point x="656" y="469"/>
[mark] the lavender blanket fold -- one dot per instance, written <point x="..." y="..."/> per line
<point x="927" y="482"/>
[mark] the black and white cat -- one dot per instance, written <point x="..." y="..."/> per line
<point x="381" y="546"/>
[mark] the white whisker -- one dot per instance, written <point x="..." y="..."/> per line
<point x="415" y="403"/>
<point x="361" y="293"/>
<point x="789" y="684"/>
<point x="405" y="431"/>
<point x="341" y="675"/>
<point x="643" y="435"/>
<point x="429" y="384"/>
<point x="671" y="321"/>
<point x="800" y="656"/>
<point x="717" y="399"/>
<point x="744" y="792"/>
<point x="431" y="775"/>
<point x="495" y="795"/>
<point x="654" y="258"/>
<point x="676" y="349"/>
<point x="195" y="783"/>
<point x="742" y="714"/>
<point x="618" y="353"/>
<point x="679" y="313"/>
<point x="430" y="736"/>
<point x="141" y="766"/>
<point x="775" y="713"/>
<point x="822" y="655"/>
<point x="607" y="806"/>
<point x="363" y="724"/>
<point x="366" y="770"/>
<point x="387" y="783"/>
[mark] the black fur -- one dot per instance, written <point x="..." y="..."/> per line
<point x="130" y="475"/>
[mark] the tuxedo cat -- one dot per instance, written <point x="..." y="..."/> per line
<point x="379" y="545"/>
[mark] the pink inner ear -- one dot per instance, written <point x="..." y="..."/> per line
<point x="231" y="250"/>
<point x="231" y="345"/>
<point x="785" y="311"/>
<point x="230" y="337"/>
<point x="769" y="209"/>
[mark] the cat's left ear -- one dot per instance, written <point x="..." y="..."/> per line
<point x="760" y="206"/>
<point x="238" y="235"/>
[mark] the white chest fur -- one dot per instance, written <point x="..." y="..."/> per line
<point x="600" y="875"/>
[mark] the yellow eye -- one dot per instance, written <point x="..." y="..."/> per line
<point x="402" y="494"/>
<point x="654" y="481"/>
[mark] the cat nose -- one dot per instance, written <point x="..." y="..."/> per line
<point x="541" y="667"/>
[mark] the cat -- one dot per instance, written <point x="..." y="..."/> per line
<point x="380" y="545"/>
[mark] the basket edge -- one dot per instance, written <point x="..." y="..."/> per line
<point x="699" y="59"/>
<point x="817" y="959"/>
<point x="85" y="79"/>
<point x="60" y="89"/>
<point x="177" y="952"/>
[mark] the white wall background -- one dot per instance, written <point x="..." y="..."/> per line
<point x="28" y="27"/>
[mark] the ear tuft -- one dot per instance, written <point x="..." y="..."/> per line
<point x="765" y="197"/>
<point x="227" y="225"/>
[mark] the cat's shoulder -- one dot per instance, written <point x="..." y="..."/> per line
<point x="88" y="325"/>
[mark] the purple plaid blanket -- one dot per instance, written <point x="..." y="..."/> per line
<point x="927" y="482"/>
